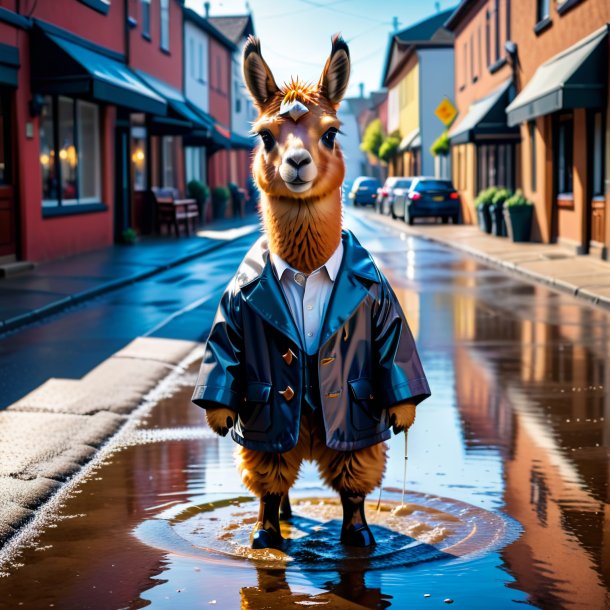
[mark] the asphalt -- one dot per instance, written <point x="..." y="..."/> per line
<point x="585" y="277"/>
<point x="54" y="286"/>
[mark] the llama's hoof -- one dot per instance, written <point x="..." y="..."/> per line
<point x="360" y="536"/>
<point x="262" y="538"/>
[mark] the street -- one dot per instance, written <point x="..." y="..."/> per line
<point x="514" y="432"/>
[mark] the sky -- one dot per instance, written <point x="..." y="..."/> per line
<point x="295" y="34"/>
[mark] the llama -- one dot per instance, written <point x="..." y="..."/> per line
<point x="310" y="356"/>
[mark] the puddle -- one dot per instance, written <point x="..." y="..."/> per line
<point x="425" y="528"/>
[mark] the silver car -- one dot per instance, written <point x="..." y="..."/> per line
<point x="393" y="187"/>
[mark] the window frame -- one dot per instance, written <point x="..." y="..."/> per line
<point x="164" y="26"/>
<point x="565" y="171"/>
<point x="61" y="205"/>
<point x="145" y="18"/>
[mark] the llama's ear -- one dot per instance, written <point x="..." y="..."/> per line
<point x="335" y="76"/>
<point x="257" y="75"/>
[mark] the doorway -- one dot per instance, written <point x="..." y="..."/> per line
<point x="8" y="198"/>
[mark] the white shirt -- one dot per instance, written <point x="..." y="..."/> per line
<point x="308" y="295"/>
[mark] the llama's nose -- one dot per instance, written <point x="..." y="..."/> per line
<point x="297" y="158"/>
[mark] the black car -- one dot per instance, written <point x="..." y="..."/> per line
<point x="429" y="197"/>
<point x="364" y="190"/>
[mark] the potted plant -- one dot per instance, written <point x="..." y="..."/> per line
<point x="482" y="204"/>
<point x="496" y="210"/>
<point x="200" y="192"/>
<point x="518" y="213"/>
<point x="129" y="236"/>
<point x="220" y="198"/>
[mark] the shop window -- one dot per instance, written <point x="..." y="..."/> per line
<point x="138" y="158"/>
<point x="168" y="161"/>
<point x="533" y="155"/>
<point x="495" y="166"/>
<point x="195" y="163"/>
<point x="69" y="152"/>
<point x="145" y="10"/>
<point x="565" y="155"/>
<point x="598" y="155"/>
<point x="165" y="25"/>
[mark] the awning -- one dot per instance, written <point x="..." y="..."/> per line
<point x="486" y="119"/>
<point x="411" y="140"/>
<point x="182" y="117"/>
<point x="9" y="65"/>
<point x="63" y="66"/>
<point x="239" y="141"/>
<point x="575" y="78"/>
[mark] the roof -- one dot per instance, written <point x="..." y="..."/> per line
<point x="429" y="33"/>
<point x="377" y="98"/>
<point x="234" y="27"/>
<point x="458" y="14"/>
<point x="203" y="23"/>
<point x="355" y="104"/>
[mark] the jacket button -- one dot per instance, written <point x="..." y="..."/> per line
<point x="289" y="356"/>
<point x="288" y="393"/>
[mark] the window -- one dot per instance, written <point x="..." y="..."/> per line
<point x="508" y="18"/>
<point x="201" y="80"/>
<point x="145" y="6"/>
<point x="192" y="57"/>
<point x="495" y="166"/>
<point x="138" y="158"/>
<point x="165" y="25"/>
<point x="532" y="131"/>
<point x="195" y="163"/>
<point x="497" y="28"/>
<point x="218" y="75"/>
<point x="542" y="10"/>
<point x="69" y="152"/>
<point x="487" y="38"/>
<point x="168" y="162"/>
<point x="565" y="159"/>
<point x="465" y="65"/>
<point x="237" y="97"/>
<point x="598" y="155"/>
<point x="472" y="74"/>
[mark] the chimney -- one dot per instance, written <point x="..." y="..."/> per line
<point x="206" y="8"/>
<point x="361" y="87"/>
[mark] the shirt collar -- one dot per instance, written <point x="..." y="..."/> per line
<point x="332" y="265"/>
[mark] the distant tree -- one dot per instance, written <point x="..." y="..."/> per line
<point x="373" y="138"/>
<point x="389" y="147"/>
<point x="441" y="145"/>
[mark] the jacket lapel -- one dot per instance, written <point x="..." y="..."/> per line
<point x="263" y="293"/>
<point x="356" y="274"/>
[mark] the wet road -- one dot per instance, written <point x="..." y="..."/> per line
<point x="516" y="425"/>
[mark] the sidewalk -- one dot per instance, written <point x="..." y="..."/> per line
<point x="53" y="286"/>
<point x="581" y="276"/>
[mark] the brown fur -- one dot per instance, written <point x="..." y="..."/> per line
<point x="357" y="472"/>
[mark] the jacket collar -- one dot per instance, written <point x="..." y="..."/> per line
<point x="261" y="289"/>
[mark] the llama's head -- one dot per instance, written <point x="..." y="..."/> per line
<point x="298" y="158"/>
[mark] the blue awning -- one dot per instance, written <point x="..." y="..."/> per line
<point x="63" y="66"/>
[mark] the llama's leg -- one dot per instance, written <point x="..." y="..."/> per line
<point x="353" y="474"/>
<point x="269" y="476"/>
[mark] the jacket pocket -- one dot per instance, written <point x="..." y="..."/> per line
<point x="256" y="411"/>
<point x="363" y="411"/>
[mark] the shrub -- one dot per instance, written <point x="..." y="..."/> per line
<point x="197" y="190"/>
<point x="517" y="200"/>
<point x="485" y="197"/>
<point x="372" y="138"/>
<point x="440" y="146"/>
<point x="220" y="198"/>
<point x="500" y="196"/>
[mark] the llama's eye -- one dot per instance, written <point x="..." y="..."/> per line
<point x="328" y="139"/>
<point x="267" y="138"/>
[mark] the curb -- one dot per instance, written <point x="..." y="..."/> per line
<point x="582" y="293"/>
<point x="40" y="313"/>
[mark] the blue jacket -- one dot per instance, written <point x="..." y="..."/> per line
<point x="254" y="360"/>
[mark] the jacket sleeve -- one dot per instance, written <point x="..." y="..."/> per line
<point x="399" y="376"/>
<point x="219" y="383"/>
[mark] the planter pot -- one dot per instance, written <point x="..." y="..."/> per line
<point x="519" y="222"/>
<point x="498" y="224"/>
<point x="484" y="218"/>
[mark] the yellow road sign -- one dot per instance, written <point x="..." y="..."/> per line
<point x="446" y="111"/>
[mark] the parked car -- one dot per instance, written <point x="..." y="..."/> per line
<point x="394" y="186"/>
<point x="429" y="197"/>
<point x="364" y="190"/>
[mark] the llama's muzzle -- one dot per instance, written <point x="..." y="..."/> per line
<point x="298" y="170"/>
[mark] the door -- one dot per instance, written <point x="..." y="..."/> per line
<point x="595" y="179"/>
<point x="8" y="199"/>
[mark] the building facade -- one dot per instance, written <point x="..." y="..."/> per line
<point x="418" y="74"/>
